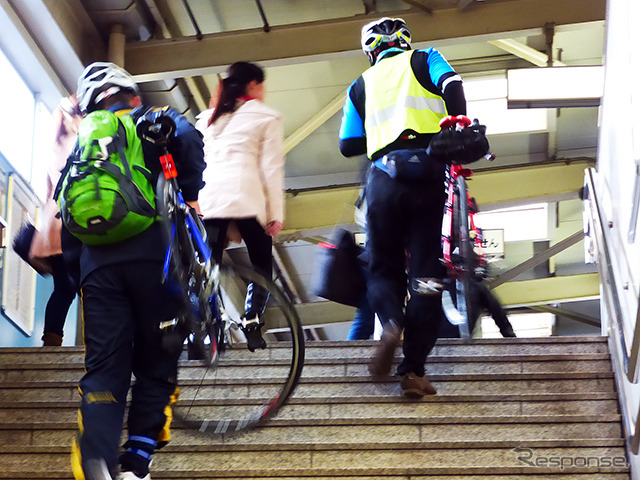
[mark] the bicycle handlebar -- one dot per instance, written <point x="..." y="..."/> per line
<point x="461" y="121"/>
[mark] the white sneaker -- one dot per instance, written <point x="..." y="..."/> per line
<point x="133" y="476"/>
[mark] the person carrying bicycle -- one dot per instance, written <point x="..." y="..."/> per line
<point x="391" y="113"/>
<point x="123" y="302"/>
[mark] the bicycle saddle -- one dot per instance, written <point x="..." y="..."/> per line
<point x="156" y="128"/>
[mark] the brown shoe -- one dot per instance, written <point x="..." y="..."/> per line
<point x="416" y="387"/>
<point x="380" y="363"/>
<point x="50" y="339"/>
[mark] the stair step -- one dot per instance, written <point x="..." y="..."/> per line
<point x="554" y="360"/>
<point x="13" y="374"/>
<point x="62" y="423"/>
<point x="444" y="435"/>
<point x="202" y="476"/>
<point x="267" y="375"/>
<point x="395" y="460"/>
<point x="526" y="384"/>
<point x="362" y="349"/>
<point x="554" y="396"/>
<point x="436" y="412"/>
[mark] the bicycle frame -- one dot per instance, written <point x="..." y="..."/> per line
<point x="461" y="241"/>
<point x="195" y="230"/>
<point x="455" y="270"/>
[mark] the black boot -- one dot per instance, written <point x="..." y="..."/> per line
<point x="254" y="306"/>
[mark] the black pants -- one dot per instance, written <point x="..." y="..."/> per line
<point x="122" y="305"/>
<point x="257" y="241"/>
<point x="404" y="225"/>
<point x="64" y="291"/>
<point x="486" y="301"/>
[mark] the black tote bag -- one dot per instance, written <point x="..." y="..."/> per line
<point x="341" y="276"/>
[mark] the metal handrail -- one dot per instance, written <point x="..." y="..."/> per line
<point x="612" y="302"/>
<point x="607" y="276"/>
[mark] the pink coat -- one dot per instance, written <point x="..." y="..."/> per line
<point x="46" y="240"/>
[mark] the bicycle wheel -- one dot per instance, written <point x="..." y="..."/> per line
<point x="463" y="246"/>
<point x="245" y="388"/>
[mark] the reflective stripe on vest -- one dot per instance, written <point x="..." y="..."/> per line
<point x="395" y="102"/>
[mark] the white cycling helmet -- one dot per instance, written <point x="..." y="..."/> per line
<point x="383" y="34"/>
<point x="99" y="81"/>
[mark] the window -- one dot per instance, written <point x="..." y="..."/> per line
<point x="525" y="223"/>
<point x="25" y="153"/>
<point x="25" y="128"/>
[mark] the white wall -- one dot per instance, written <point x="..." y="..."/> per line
<point x="618" y="151"/>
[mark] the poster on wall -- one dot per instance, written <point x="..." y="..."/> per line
<point x="18" y="278"/>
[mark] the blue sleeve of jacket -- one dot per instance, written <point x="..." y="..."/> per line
<point x="436" y="75"/>
<point x="352" y="135"/>
<point x="187" y="149"/>
<point x="439" y="68"/>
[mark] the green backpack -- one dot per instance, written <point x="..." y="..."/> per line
<point x="105" y="194"/>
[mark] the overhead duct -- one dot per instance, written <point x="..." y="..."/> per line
<point x="136" y="22"/>
<point x="133" y="15"/>
<point x="164" y="92"/>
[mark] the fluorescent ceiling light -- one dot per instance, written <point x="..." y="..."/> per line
<point x="487" y="101"/>
<point x="523" y="223"/>
<point x="555" y="87"/>
<point x="486" y="87"/>
<point x="499" y="119"/>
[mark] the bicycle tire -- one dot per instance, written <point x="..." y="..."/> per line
<point x="464" y="261"/>
<point x="244" y="389"/>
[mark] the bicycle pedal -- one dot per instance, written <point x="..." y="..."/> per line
<point x="169" y="323"/>
<point x="252" y="330"/>
<point x="427" y="286"/>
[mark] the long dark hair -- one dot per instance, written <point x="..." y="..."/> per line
<point x="239" y="75"/>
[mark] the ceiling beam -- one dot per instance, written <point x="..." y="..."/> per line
<point x="566" y="313"/>
<point x="529" y="293"/>
<point x="527" y="183"/>
<point x="169" y="27"/>
<point x="545" y="291"/>
<point x="184" y="57"/>
<point x="536" y="259"/>
<point x="319" y="208"/>
<point x="328" y="207"/>
<point x="311" y="125"/>
<point x="525" y="52"/>
<point x="76" y="26"/>
<point x="420" y="5"/>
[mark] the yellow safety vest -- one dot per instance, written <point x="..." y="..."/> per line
<point x="395" y="102"/>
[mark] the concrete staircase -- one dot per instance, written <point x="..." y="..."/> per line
<point x="552" y="399"/>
